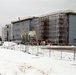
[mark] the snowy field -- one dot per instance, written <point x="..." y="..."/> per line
<point x="69" y="55"/>
<point x="27" y="60"/>
<point x="38" y="51"/>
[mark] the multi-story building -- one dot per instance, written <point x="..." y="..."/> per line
<point x="59" y="28"/>
<point x="6" y="32"/>
<point x="19" y="27"/>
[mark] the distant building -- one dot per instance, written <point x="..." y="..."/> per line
<point x="6" y="32"/>
<point x="3" y="34"/>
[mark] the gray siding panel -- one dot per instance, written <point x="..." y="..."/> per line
<point x="17" y="28"/>
<point x="72" y="28"/>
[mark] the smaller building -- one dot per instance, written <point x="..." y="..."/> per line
<point x="20" y="27"/>
<point x="6" y="32"/>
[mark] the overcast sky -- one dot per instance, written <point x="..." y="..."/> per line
<point x="12" y="9"/>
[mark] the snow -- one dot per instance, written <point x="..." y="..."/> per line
<point x="8" y="44"/>
<point x="17" y="61"/>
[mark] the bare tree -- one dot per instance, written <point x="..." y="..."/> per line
<point x="23" y="38"/>
<point x="32" y="36"/>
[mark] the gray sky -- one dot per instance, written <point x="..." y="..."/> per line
<point x="12" y="9"/>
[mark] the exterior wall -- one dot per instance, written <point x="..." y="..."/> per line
<point x="72" y="28"/>
<point x="63" y="28"/>
<point x="53" y="30"/>
<point x="44" y="27"/>
<point x="58" y="28"/>
<point x="16" y="31"/>
<point x="9" y="32"/>
<point x="35" y="25"/>
<point x="19" y="28"/>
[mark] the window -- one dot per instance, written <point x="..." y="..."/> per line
<point x="17" y="35"/>
<point x="17" y="30"/>
<point x="7" y="26"/>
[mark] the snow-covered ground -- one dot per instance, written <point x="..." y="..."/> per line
<point x="16" y="61"/>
